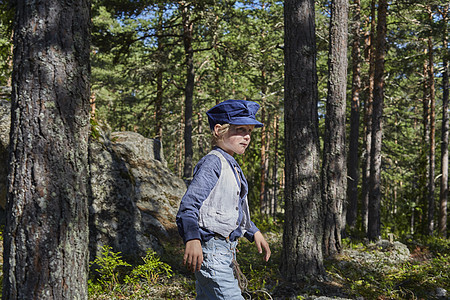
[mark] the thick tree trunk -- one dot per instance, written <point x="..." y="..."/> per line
<point x="303" y="227"/>
<point x="46" y="234"/>
<point x="353" y="155"/>
<point x="334" y="169"/>
<point x="444" y="140"/>
<point x="374" y="224"/>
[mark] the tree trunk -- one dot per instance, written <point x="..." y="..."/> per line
<point x="432" y="149"/>
<point x="353" y="155"/>
<point x="159" y="80"/>
<point x="275" y="167"/>
<point x="368" y="111"/>
<point x="374" y="224"/>
<point x="262" y="192"/>
<point x="444" y="137"/>
<point x="46" y="234"/>
<point x="188" y="92"/>
<point x="334" y="169"/>
<point x="424" y="174"/>
<point x="303" y="226"/>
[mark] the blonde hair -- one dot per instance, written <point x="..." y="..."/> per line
<point x="216" y="137"/>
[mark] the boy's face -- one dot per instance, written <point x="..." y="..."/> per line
<point x="236" y="139"/>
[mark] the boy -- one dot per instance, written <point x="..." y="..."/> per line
<point x="214" y="212"/>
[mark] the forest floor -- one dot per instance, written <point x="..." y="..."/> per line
<point x="383" y="270"/>
<point x="363" y="271"/>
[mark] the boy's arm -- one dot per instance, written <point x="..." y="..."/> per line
<point x="193" y="255"/>
<point x="205" y="177"/>
<point x="261" y="244"/>
<point x="250" y="233"/>
<point x="206" y="174"/>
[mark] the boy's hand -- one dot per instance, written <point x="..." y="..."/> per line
<point x="261" y="244"/>
<point x="193" y="255"/>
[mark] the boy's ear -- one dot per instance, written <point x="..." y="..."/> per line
<point x="216" y="129"/>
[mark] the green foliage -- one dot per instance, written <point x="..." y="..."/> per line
<point x="6" y="24"/>
<point x="107" y="266"/>
<point x="262" y="276"/>
<point x="95" y="131"/>
<point x="113" y="277"/>
<point x="150" y="271"/>
<point x="417" y="278"/>
<point x="267" y="223"/>
<point x="438" y="245"/>
<point x="429" y="275"/>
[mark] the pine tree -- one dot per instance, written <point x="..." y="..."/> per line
<point x="334" y="171"/>
<point x="303" y="227"/>
<point x="374" y="220"/>
<point x="46" y="234"/>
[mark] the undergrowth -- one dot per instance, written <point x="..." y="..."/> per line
<point x="419" y="277"/>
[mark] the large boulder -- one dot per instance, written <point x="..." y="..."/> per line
<point x="133" y="195"/>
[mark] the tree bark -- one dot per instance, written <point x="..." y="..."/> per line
<point x="425" y="153"/>
<point x="159" y="80"/>
<point x="46" y="234"/>
<point x="263" y="169"/>
<point x="303" y="227"/>
<point x="368" y="111"/>
<point x="353" y="155"/>
<point x="374" y="224"/>
<point x="334" y="169"/>
<point x="275" y="167"/>
<point x="432" y="149"/>
<point x="444" y="136"/>
<point x="188" y="92"/>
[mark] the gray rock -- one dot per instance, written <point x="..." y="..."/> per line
<point x="134" y="197"/>
<point x="384" y="255"/>
<point x="441" y="293"/>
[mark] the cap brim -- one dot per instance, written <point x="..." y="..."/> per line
<point x="246" y="121"/>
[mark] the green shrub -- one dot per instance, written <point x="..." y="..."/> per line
<point x="136" y="283"/>
<point x="150" y="271"/>
<point x="108" y="263"/>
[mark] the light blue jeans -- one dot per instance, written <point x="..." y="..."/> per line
<point x="216" y="280"/>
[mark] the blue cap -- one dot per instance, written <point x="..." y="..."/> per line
<point x="234" y="112"/>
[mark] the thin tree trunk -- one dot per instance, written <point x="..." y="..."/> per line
<point x="368" y="111"/>
<point x="159" y="82"/>
<point x="334" y="169"/>
<point x="353" y="155"/>
<point x="188" y="92"/>
<point x="262" y="191"/>
<point x="444" y="137"/>
<point x="201" y="144"/>
<point x="158" y="106"/>
<point x="374" y="224"/>
<point x="432" y="149"/>
<point x="421" y="218"/>
<point x="275" y="167"/>
<point x="46" y="234"/>
<point x="266" y="167"/>
<point x="303" y="226"/>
